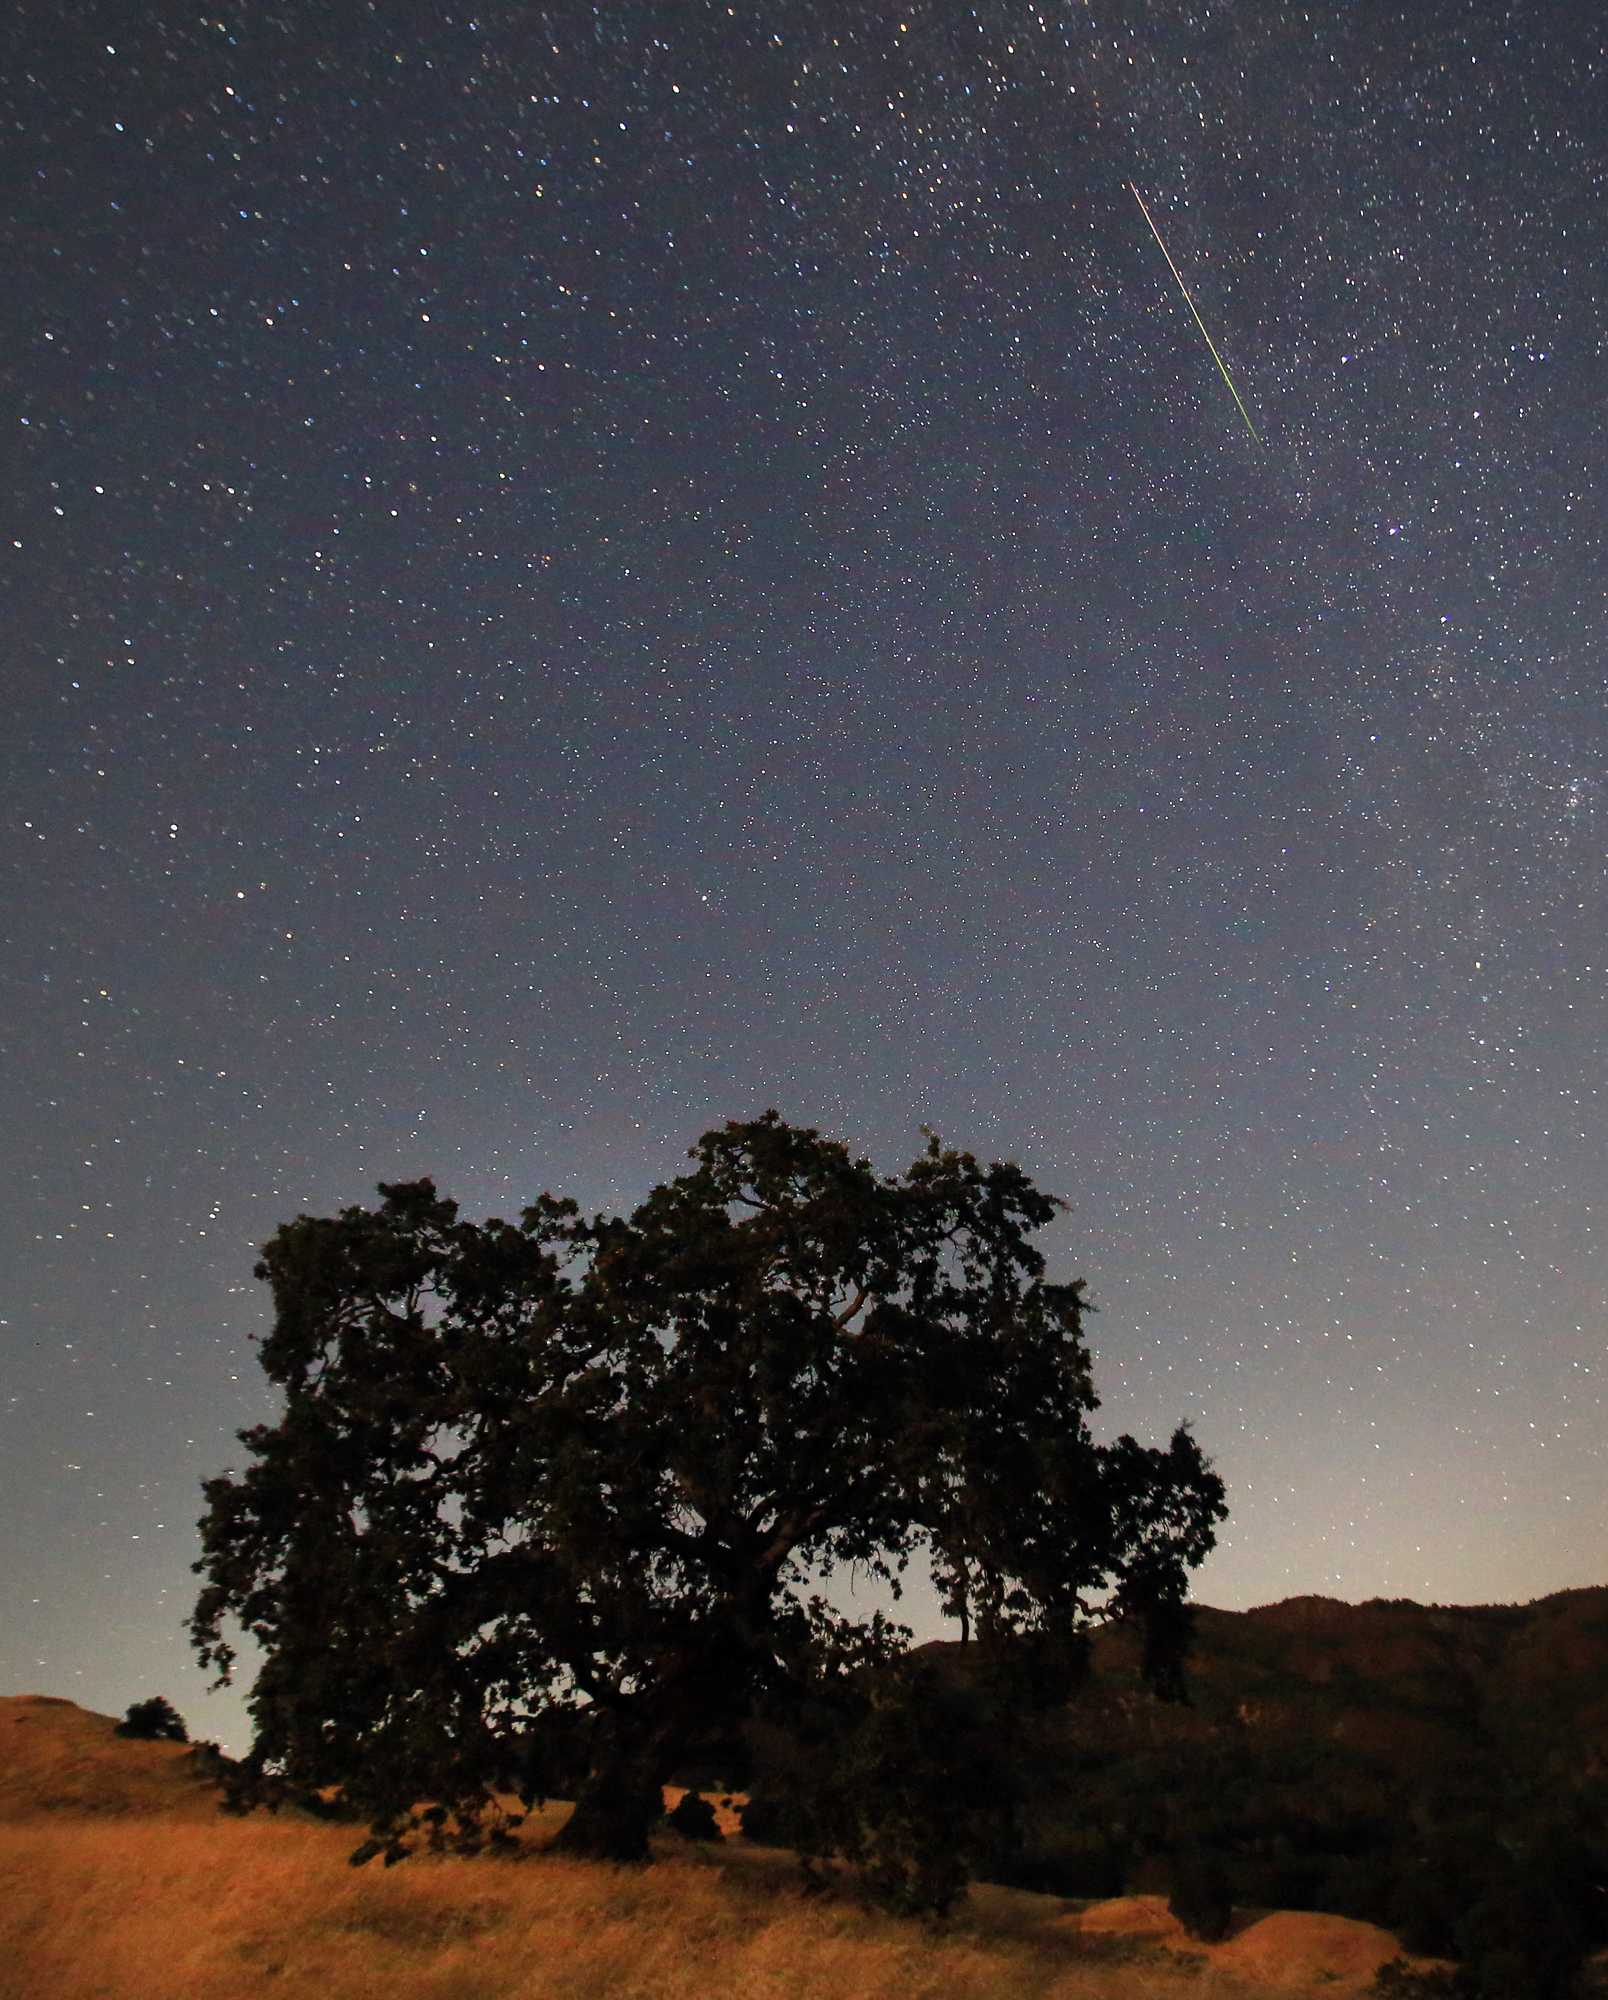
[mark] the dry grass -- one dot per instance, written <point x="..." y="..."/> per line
<point x="118" y="1878"/>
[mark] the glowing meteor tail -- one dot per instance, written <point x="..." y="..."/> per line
<point x="1188" y="301"/>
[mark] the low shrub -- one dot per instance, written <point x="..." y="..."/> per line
<point x="1201" y="1898"/>
<point x="153" y="1721"/>
<point x="694" y="1818"/>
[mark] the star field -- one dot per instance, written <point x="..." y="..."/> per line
<point x="573" y="572"/>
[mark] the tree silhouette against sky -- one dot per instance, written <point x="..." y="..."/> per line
<point x="586" y="1477"/>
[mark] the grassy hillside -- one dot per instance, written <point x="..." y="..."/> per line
<point x="120" y="1878"/>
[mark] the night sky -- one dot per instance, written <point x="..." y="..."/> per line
<point x="570" y="573"/>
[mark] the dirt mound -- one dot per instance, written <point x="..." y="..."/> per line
<point x="1282" y="1948"/>
<point x="1304" y="1948"/>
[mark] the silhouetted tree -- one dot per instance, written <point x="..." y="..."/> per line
<point x="153" y="1721"/>
<point x="592" y="1469"/>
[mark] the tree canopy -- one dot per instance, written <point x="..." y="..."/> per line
<point x="585" y="1477"/>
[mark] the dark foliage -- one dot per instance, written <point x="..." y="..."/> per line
<point x="908" y="1771"/>
<point x="554" y="1493"/>
<point x="1434" y="1771"/>
<point x="207" y="1763"/>
<point x="924" y="1773"/>
<point x="1536" y="1911"/>
<point x="1202" y="1899"/>
<point x="694" y="1818"/>
<point x="546" y="1757"/>
<point x="156" y="1720"/>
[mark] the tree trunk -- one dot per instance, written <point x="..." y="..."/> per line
<point x="621" y="1798"/>
<point x="639" y="1745"/>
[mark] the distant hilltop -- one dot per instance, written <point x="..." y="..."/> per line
<point x="1372" y="1759"/>
<point x="1401" y="1683"/>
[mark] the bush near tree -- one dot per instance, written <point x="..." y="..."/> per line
<point x="556" y="1497"/>
<point x="155" y="1720"/>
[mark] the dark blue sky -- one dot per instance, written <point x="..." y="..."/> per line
<point x="569" y="573"/>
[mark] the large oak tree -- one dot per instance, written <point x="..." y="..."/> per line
<point x="592" y="1472"/>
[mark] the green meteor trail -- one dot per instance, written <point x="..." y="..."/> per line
<point x="1188" y="301"/>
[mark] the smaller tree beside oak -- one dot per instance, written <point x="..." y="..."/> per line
<point x="580" y="1479"/>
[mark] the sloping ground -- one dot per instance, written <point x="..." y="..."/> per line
<point x="1284" y="1949"/>
<point x="56" y="1757"/>
<point x="119" y="1880"/>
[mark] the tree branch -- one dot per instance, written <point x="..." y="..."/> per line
<point x="854" y="1306"/>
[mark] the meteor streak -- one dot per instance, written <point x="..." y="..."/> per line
<point x="1188" y="301"/>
